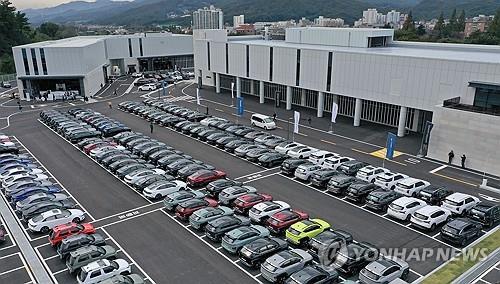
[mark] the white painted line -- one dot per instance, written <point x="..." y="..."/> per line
<point x="60" y="271"/>
<point x="52" y="257"/>
<point x="259" y="172"/>
<point x="438" y="169"/>
<point x="10" y="255"/>
<point x="8" y="247"/>
<point x="489" y="198"/>
<point x="12" y="270"/>
<point x="130" y="218"/>
<point x="261" y="177"/>
<point x="126" y="211"/>
<point x="42" y="245"/>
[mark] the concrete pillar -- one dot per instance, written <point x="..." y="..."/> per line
<point x="288" y="97"/>
<point x="402" y="121"/>
<point x="252" y="87"/>
<point x="321" y="104"/>
<point x="357" y="112"/>
<point x="261" y="92"/>
<point x="238" y="87"/>
<point x="335" y="99"/>
<point x="303" y="97"/>
<point x="217" y="83"/>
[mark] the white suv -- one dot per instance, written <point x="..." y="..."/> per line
<point x="389" y="180"/>
<point x="284" y="147"/>
<point x="319" y="157"/>
<point x="403" y="207"/>
<point x="103" y="269"/>
<point x="369" y="173"/>
<point x="335" y="162"/>
<point x="303" y="172"/>
<point x="459" y="203"/>
<point x="260" y="212"/>
<point x="411" y="186"/>
<point x="429" y="217"/>
<point x="147" y="87"/>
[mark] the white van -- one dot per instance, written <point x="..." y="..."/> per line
<point x="262" y="121"/>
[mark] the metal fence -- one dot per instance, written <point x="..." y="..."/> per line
<point x="7" y="77"/>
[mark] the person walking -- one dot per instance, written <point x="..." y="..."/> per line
<point x="110" y="105"/>
<point x="451" y="155"/>
<point x="115" y="92"/>
<point x="463" y="161"/>
<point x="274" y="117"/>
<point x="151" y="126"/>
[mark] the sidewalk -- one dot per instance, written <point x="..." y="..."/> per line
<point x="367" y="132"/>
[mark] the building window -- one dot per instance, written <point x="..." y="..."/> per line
<point x="271" y="64"/>
<point x="44" y="63"/>
<point x="487" y="99"/>
<point x="297" y="69"/>
<point x="208" y="54"/>
<point x="248" y="61"/>
<point x="33" y="58"/>
<point x="227" y="58"/>
<point x="140" y="47"/>
<point x="25" y="61"/>
<point x="130" y="47"/>
<point x="329" y="72"/>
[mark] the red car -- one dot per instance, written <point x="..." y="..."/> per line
<point x="61" y="232"/>
<point x="279" y="222"/>
<point x="186" y="208"/>
<point x="203" y="177"/>
<point x="99" y="144"/>
<point x="243" y="203"/>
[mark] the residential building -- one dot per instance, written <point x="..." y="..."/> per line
<point x="393" y="18"/>
<point x="328" y="22"/>
<point x="208" y="18"/>
<point x="245" y="29"/>
<point x="83" y="64"/>
<point x="398" y="84"/>
<point x="477" y="24"/>
<point x="238" y="20"/>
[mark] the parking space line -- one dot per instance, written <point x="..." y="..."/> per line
<point x="438" y="169"/>
<point x="261" y="177"/>
<point x="126" y="211"/>
<point x="130" y="218"/>
<point x="455" y="179"/>
<point x="370" y="154"/>
<point x="259" y="172"/>
<point x="329" y="142"/>
<point x="28" y="268"/>
<point x="12" y="270"/>
<point x="10" y="255"/>
<point x="52" y="257"/>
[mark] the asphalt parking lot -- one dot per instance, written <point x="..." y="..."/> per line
<point x="168" y="251"/>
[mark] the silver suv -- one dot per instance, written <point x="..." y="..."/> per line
<point x="281" y="265"/>
<point x="384" y="270"/>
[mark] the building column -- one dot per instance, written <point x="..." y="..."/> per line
<point x="357" y="112"/>
<point x="261" y="92"/>
<point x="238" y="87"/>
<point x="217" y="83"/>
<point x="303" y="97"/>
<point x="321" y="104"/>
<point x="252" y="87"/>
<point x="402" y="121"/>
<point x="288" y="97"/>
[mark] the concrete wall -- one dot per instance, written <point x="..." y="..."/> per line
<point x="335" y="36"/>
<point x="473" y="134"/>
<point x="92" y="82"/>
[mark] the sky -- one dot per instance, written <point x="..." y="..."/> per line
<point x="26" y="4"/>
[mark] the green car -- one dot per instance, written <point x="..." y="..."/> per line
<point x="300" y="232"/>
<point x="201" y="217"/>
<point x="85" y="255"/>
<point x="235" y="239"/>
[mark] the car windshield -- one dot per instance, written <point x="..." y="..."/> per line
<point x="385" y="178"/>
<point x="405" y="186"/>
<point x="268" y="120"/>
<point x="293" y="231"/>
<point x="421" y="216"/>
<point x="38" y="218"/>
<point x="370" y="274"/>
<point x="453" y="203"/>
<point x="475" y="211"/>
<point x="451" y="230"/>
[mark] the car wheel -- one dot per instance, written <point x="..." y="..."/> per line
<point x="158" y="196"/>
<point x="281" y="278"/>
<point x="414" y="194"/>
<point x="384" y="208"/>
<point x="76" y="220"/>
<point x="405" y="273"/>
<point x="408" y="217"/>
<point x="44" y="230"/>
<point x="372" y="181"/>
<point x="433" y="227"/>
<point x="303" y="242"/>
<point x="392" y="187"/>
<point x="301" y="157"/>
<point x="463" y="242"/>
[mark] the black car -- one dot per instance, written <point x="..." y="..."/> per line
<point x="460" y="231"/>
<point x="486" y="213"/>
<point x="172" y="168"/>
<point x="350" y="168"/>
<point x="272" y="159"/>
<point x="188" y="170"/>
<point x="321" y="245"/>
<point x="358" y="191"/>
<point x="167" y="160"/>
<point x="320" y="178"/>
<point x="313" y="274"/>
<point x="213" y="137"/>
<point x="203" y="134"/>
<point x="256" y="252"/>
<point x="434" y="195"/>
<point x="43" y="206"/>
<point x="289" y="166"/>
<point x="150" y="179"/>
<point x="254" y="155"/>
<point x="233" y="144"/>
<point x="123" y="171"/>
<point x="215" y="187"/>
<point x="154" y="157"/>
<point x="222" y="141"/>
<point x="217" y="228"/>
<point x="74" y="242"/>
<point x="338" y="184"/>
<point x="380" y="199"/>
<point x="113" y="167"/>
<point x="355" y="257"/>
<point x="116" y="157"/>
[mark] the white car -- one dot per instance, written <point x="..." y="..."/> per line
<point x="459" y="203"/>
<point x="319" y="157"/>
<point x="147" y="87"/>
<point x="23" y="177"/>
<point x="229" y="194"/>
<point x="49" y="219"/>
<point x="161" y="190"/>
<point x="301" y="152"/>
<point x="208" y="120"/>
<point x="103" y="269"/>
<point x="411" y="186"/>
<point x="97" y="151"/>
<point x="284" y="147"/>
<point x="429" y="217"/>
<point x="20" y="170"/>
<point x="6" y="84"/>
<point x="305" y="171"/>
<point x="335" y="162"/>
<point x="136" y="175"/>
<point x="261" y="211"/>
<point x="137" y="75"/>
<point x="404" y="207"/>
<point x="369" y="173"/>
<point x="389" y="180"/>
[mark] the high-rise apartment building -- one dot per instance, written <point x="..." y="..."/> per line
<point x="208" y="18"/>
<point x="238" y="20"/>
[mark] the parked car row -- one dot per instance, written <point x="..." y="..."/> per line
<point x="6" y="145"/>
<point x="157" y="79"/>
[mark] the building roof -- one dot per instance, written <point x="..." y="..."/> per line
<point x="456" y="52"/>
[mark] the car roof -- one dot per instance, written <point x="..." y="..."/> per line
<point x="458" y="223"/>
<point x="380" y="265"/>
<point x="96" y="265"/>
<point x="428" y="210"/>
<point x="457" y="196"/>
<point x="409" y="181"/>
<point x="405" y="200"/>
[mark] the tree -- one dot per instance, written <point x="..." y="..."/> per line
<point x="494" y="28"/>
<point x="49" y="29"/>
<point x="438" y="28"/>
<point x="452" y="26"/>
<point x="420" y="30"/>
<point x="461" y="22"/>
<point x="409" y="25"/>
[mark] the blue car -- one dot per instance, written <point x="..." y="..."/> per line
<point x="25" y="192"/>
<point x="5" y="168"/>
<point x="15" y="160"/>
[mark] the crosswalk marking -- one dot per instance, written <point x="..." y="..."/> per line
<point x="382" y="152"/>
<point x="176" y="99"/>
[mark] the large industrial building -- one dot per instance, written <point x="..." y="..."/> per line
<point x="84" y="64"/>
<point x="372" y="78"/>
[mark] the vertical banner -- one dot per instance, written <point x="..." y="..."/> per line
<point x="335" y="110"/>
<point x="197" y="96"/>
<point x="232" y="90"/>
<point x="296" y="120"/>
<point x="391" y="144"/>
<point x="240" y="106"/>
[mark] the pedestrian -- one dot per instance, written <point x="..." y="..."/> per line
<point x="451" y="155"/>
<point x="110" y="105"/>
<point x="19" y="105"/>
<point x="151" y="126"/>
<point x="274" y="117"/>
<point x="309" y="120"/>
<point x="463" y="161"/>
<point x="115" y="92"/>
